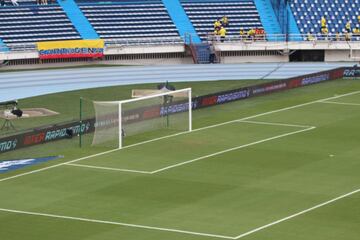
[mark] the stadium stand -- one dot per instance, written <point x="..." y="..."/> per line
<point x="133" y="19"/>
<point x="308" y="14"/>
<point x="30" y="24"/>
<point x="203" y="13"/>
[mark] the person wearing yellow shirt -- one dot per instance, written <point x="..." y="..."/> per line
<point x="251" y="34"/>
<point x="325" y="32"/>
<point x="310" y="37"/>
<point x="323" y="22"/>
<point x="217" y="25"/>
<point x="242" y="34"/>
<point x="359" y="18"/>
<point x="222" y="33"/>
<point x="348" y="27"/>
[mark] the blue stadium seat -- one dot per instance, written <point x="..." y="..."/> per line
<point x="30" y="24"/>
<point x="336" y="12"/>
<point x="131" y="19"/>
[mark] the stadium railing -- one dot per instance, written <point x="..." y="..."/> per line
<point x="114" y="43"/>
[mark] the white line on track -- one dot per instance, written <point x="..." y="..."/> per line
<point x="195" y="130"/>
<point x="115" y="223"/>
<point x="230" y="149"/>
<point x="108" y="168"/>
<point x="297" y="214"/>
<point x="341" y="103"/>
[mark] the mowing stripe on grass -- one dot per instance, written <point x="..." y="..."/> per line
<point x="198" y="129"/>
<point x="297" y="214"/>
<point x="342" y="103"/>
<point x="115" y="223"/>
<point x="230" y="149"/>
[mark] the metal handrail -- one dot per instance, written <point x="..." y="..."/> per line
<point x="115" y="43"/>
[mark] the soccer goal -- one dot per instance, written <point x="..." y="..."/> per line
<point x="120" y="123"/>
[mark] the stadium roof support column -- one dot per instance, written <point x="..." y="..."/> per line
<point x="268" y="18"/>
<point x="293" y="27"/>
<point x="181" y="19"/>
<point x="78" y="19"/>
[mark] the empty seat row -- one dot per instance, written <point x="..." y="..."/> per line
<point x="130" y="19"/>
<point x="36" y="23"/>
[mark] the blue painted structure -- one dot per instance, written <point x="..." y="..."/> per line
<point x="293" y="27"/>
<point x="181" y="19"/>
<point x="268" y="18"/>
<point x="3" y="47"/>
<point x="78" y="19"/>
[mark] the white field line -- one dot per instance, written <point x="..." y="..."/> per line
<point x="297" y="214"/>
<point x="183" y="231"/>
<point x="108" y="168"/>
<point x="195" y="130"/>
<point x="115" y="223"/>
<point x="341" y="103"/>
<point x="275" y="124"/>
<point x="231" y="149"/>
<point x="202" y="157"/>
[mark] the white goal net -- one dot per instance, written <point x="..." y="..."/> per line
<point x="120" y="123"/>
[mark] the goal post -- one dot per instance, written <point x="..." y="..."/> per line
<point x="120" y="123"/>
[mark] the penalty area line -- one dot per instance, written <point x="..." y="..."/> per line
<point x="107" y="168"/>
<point x="115" y="223"/>
<point x="341" y="103"/>
<point x="231" y="149"/>
<point x="297" y="214"/>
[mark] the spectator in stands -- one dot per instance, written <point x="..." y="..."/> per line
<point x="356" y="30"/>
<point x="310" y="37"/>
<point x="242" y="34"/>
<point x="217" y="25"/>
<point x="348" y="27"/>
<point x="212" y="54"/>
<point x="325" y="33"/>
<point x="347" y="35"/>
<point x="222" y="33"/>
<point x="38" y="2"/>
<point x="2" y="2"/>
<point x="359" y="18"/>
<point x="337" y="36"/>
<point x="323" y="22"/>
<point x="14" y="3"/>
<point x="323" y="28"/>
<point x="225" y="21"/>
<point x="251" y="34"/>
<point x="216" y="35"/>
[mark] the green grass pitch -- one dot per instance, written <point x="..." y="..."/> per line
<point x="282" y="166"/>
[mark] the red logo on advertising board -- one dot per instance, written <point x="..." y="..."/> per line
<point x="33" y="139"/>
<point x="209" y="101"/>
